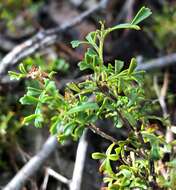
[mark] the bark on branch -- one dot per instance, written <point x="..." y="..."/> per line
<point x="158" y="63"/>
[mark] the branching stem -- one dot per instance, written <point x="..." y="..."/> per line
<point x="96" y="130"/>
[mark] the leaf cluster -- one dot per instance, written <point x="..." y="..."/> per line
<point x="110" y="92"/>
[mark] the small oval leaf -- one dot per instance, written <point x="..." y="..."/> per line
<point x="133" y="65"/>
<point x="84" y="107"/>
<point x="142" y="14"/>
<point x="98" y="155"/>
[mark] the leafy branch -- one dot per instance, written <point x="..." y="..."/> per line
<point x="111" y="92"/>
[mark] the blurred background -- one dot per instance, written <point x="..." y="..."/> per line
<point x="20" y="20"/>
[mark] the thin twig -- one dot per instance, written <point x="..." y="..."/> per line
<point x="51" y="172"/>
<point x="58" y="176"/>
<point x="45" y="181"/>
<point x="101" y="133"/>
<point x="161" y="94"/>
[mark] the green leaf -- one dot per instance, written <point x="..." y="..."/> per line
<point x="62" y="138"/>
<point x="78" y="132"/>
<point x="33" y="91"/>
<point x="118" y="123"/>
<point x="118" y="150"/>
<point x="92" y="118"/>
<point x="51" y="74"/>
<point x="152" y="138"/>
<point x="55" y="125"/>
<point x="28" y="61"/>
<point x="110" y="148"/>
<point x="133" y="65"/>
<point x="120" y="85"/>
<point x="84" y="65"/>
<point x="60" y="65"/>
<point x="29" y="100"/>
<point x="113" y="157"/>
<point x="118" y="66"/>
<point x="154" y="143"/>
<point x="73" y="87"/>
<point x="76" y="43"/>
<point x="30" y="118"/>
<point x="38" y="120"/>
<point x="130" y="118"/>
<point x="69" y="128"/>
<point x="22" y="69"/>
<point x="88" y="59"/>
<point x="91" y="52"/>
<point x="50" y="86"/>
<point x="15" y="75"/>
<point x="142" y="14"/>
<point x="84" y="107"/>
<point x="108" y="168"/>
<point x="155" y="151"/>
<point x="98" y="155"/>
<point x="109" y="180"/>
<point x="126" y="173"/>
<point x="137" y="183"/>
<point x="103" y="106"/>
<point x="91" y="38"/>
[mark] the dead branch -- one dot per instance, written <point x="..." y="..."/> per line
<point x="59" y="177"/>
<point x="161" y="94"/>
<point x="79" y="163"/>
<point x="43" y="39"/>
<point x="101" y="133"/>
<point x="76" y="3"/>
<point x="158" y="63"/>
<point x="33" y="165"/>
<point x="75" y="182"/>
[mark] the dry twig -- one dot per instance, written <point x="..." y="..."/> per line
<point x="161" y="94"/>
<point x="59" y="177"/>
<point x="158" y="63"/>
<point x="79" y="163"/>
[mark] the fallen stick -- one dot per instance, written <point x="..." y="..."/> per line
<point x="34" y="164"/>
<point x="158" y="63"/>
<point x="50" y="172"/>
<point x="79" y="163"/>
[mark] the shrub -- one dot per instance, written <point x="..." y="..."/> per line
<point x="110" y="92"/>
